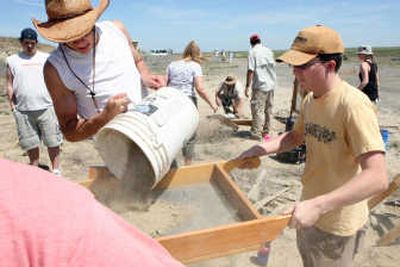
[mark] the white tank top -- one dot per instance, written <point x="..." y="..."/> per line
<point x="115" y="70"/>
<point x="28" y="83"/>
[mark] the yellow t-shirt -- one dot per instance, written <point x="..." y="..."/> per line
<point x="337" y="127"/>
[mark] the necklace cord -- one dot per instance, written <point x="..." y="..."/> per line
<point x="91" y="90"/>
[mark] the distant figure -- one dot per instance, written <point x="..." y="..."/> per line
<point x="229" y="95"/>
<point x="186" y="75"/>
<point x="261" y="77"/>
<point x="47" y="221"/>
<point x="368" y="73"/>
<point x="95" y="72"/>
<point x="223" y="55"/>
<point x="30" y="102"/>
<point x="231" y="56"/>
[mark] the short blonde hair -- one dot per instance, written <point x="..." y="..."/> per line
<point x="192" y="52"/>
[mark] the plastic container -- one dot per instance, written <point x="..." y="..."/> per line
<point x="385" y="136"/>
<point x="155" y="130"/>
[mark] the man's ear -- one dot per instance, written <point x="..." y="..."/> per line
<point x="331" y="65"/>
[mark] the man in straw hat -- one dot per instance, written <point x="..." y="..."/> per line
<point x="95" y="72"/>
<point x="261" y="76"/>
<point x="46" y="221"/>
<point x="229" y="95"/>
<point x="345" y="153"/>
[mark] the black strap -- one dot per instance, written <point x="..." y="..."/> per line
<point x="91" y="90"/>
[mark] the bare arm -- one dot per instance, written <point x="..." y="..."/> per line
<point x="370" y="181"/>
<point x="9" y="89"/>
<point x="364" y="69"/>
<point x="217" y="100"/>
<point x="249" y="78"/>
<point x="65" y="105"/>
<point x="283" y="142"/>
<point x="149" y="80"/>
<point x="378" y="82"/>
<point x="199" y="85"/>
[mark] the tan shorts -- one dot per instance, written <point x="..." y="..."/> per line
<point x="318" y="248"/>
<point x="36" y="126"/>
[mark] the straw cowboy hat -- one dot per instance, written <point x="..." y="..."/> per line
<point x="69" y="20"/>
<point x="230" y="80"/>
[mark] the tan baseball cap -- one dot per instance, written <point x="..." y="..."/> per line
<point x="311" y="42"/>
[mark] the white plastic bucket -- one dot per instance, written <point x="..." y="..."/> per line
<point x="159" y="126"/>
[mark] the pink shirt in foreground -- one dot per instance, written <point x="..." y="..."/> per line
<point x="48" y="221"/>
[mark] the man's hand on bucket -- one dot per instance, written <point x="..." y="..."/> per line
<point x="117" y="104"/>
<point x="154" y="81"/>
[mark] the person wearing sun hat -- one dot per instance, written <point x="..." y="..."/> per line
<point x="95" y="72"/>
<point x="368" y="73"/>
<point x="229" y="95"/>
<point x="345" y="158"/>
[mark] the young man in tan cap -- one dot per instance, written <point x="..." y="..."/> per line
<point x="95" y="72"/>
<point x="345" y="153"/>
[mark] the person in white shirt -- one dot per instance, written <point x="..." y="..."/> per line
<point x="30" y="101"/>
<point x="95" y="72"/>
<point x="186" y="75"/>
<point x="261" y="76"/>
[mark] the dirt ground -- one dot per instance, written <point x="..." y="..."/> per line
<point x="217" y="142"/>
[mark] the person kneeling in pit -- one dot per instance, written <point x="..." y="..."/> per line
<point x="230" y="96"/>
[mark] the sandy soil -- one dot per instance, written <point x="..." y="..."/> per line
<point x="216" y="142"/>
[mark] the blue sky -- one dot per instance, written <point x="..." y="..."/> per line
<point x="227" y="24"/>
